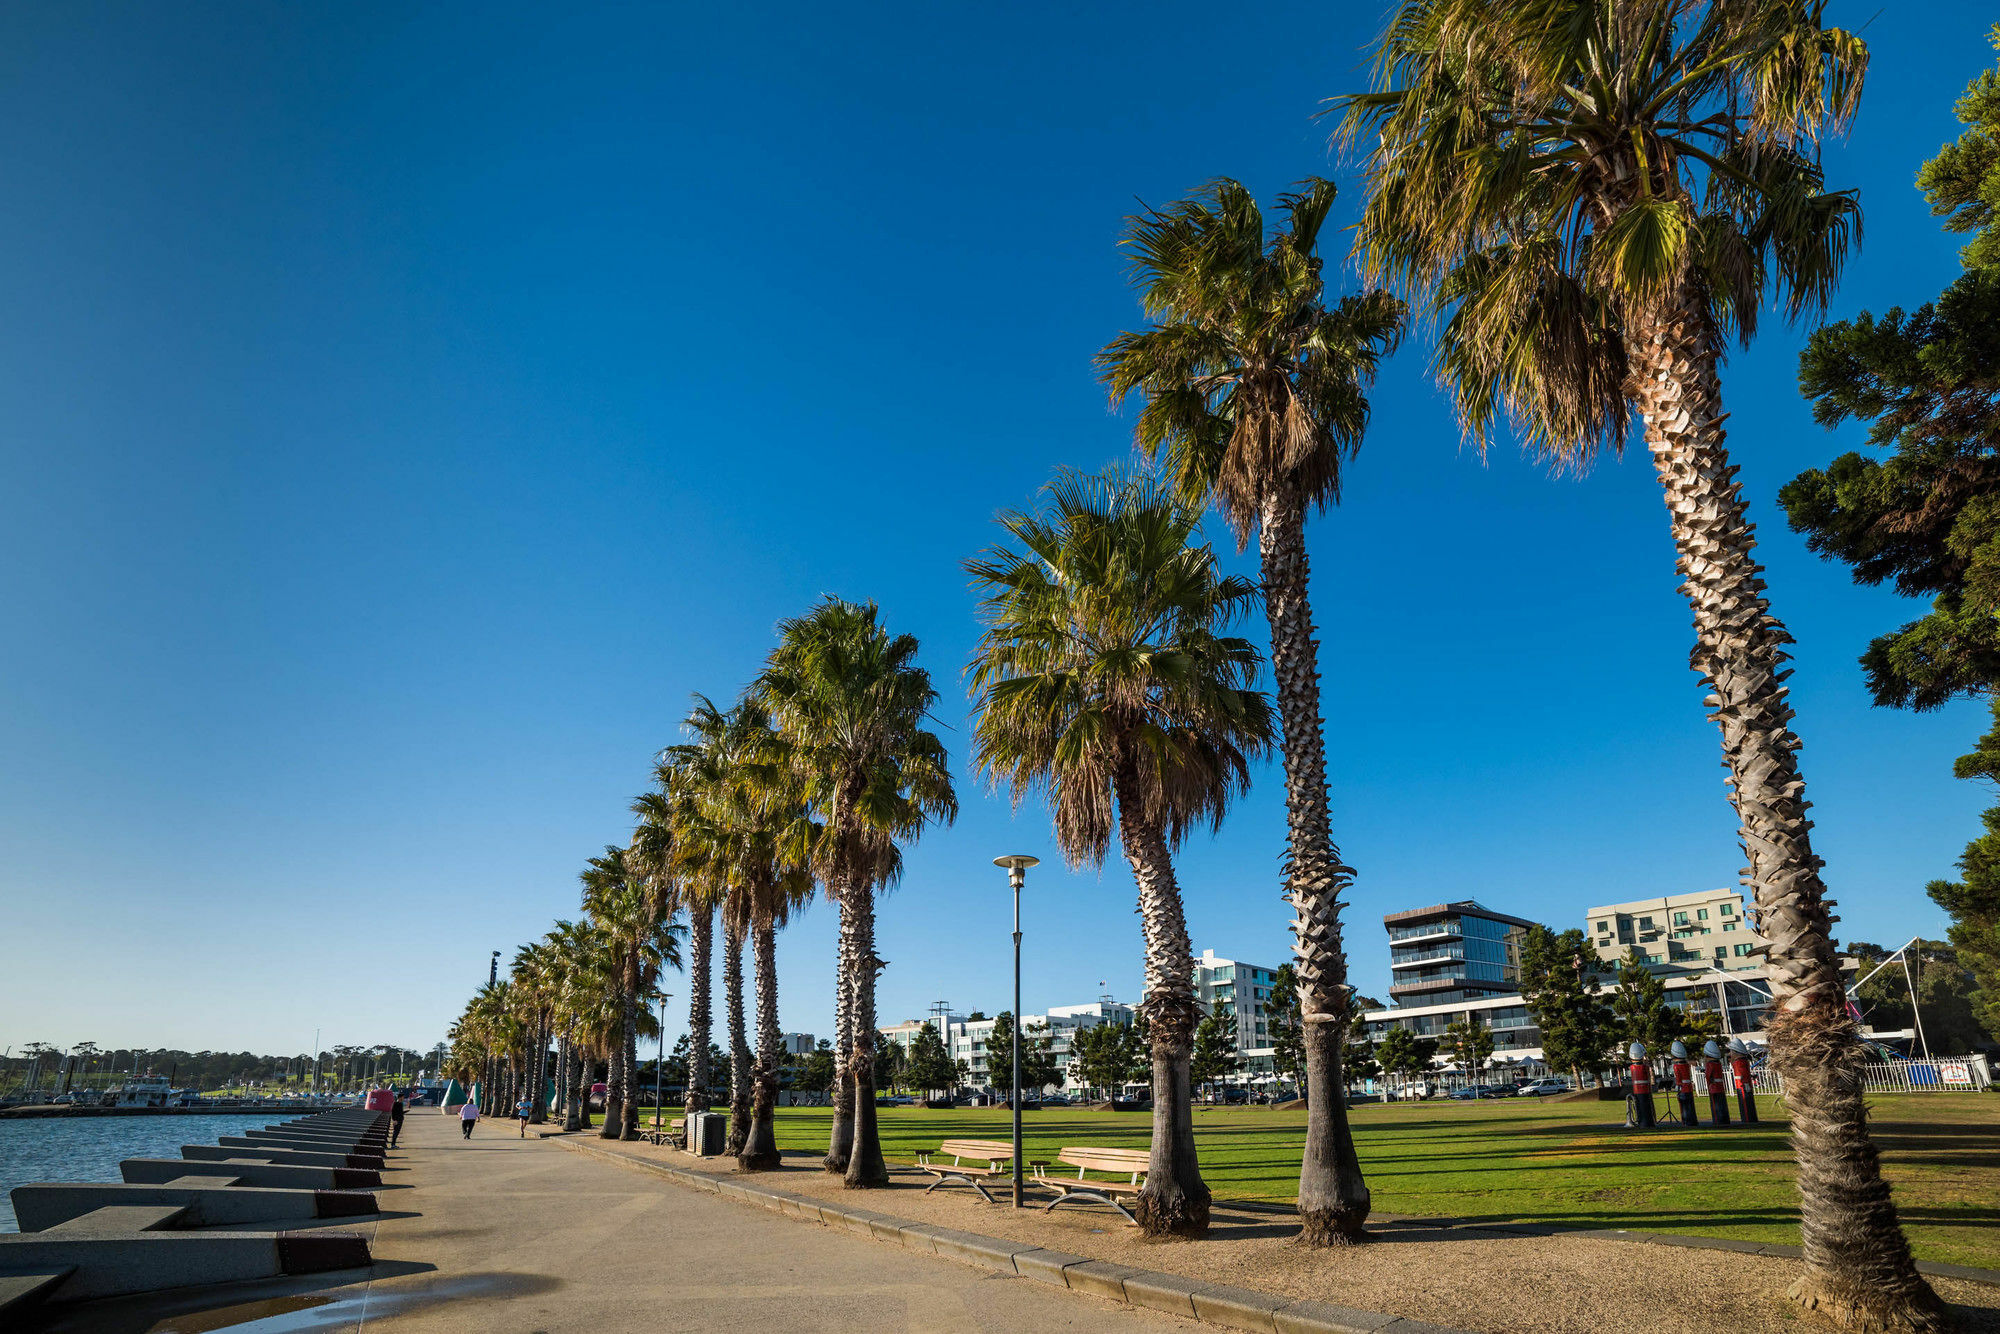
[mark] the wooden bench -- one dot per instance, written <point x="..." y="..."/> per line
<point x="1128" y="1163"/>
<point x="998" y="1156"/>
<point x="674" y="1136"/>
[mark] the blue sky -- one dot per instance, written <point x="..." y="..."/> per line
<point x="402" y="411"/>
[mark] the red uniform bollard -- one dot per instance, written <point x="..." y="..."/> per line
<point x="1639" y="1106"/>
<point x="1746" y="1082"/>
<point x="1684" y="1082"/>
<point x="1718" y="1098"/>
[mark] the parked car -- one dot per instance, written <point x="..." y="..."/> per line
<point x="1542" y="1087"/>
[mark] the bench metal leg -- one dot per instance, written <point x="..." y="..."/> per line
<point x="1093" y="1197"/>
<point x="954" y="1178"/>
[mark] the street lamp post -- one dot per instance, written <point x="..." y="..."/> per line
<point x="1016" y="865"/>
<point x="660" y="1061"/>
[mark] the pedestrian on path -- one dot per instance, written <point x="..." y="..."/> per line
<point x="524" y="1109"/>
<point x="396" y="1110"/>
<point x="466" y="1116"/>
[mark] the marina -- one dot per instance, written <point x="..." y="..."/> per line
<point x="89" y="1148"/>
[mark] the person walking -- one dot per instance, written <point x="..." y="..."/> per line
<point x="524" y="1109"/>
<point x="396" y="1110"/>
<point x="466" y="1116"/>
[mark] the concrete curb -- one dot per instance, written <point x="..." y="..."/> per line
<point x="1217" y="1304"/>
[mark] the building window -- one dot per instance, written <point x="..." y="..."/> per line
<point x="1701" y="914"/>
<point x="1721" y="951"/>
<point x="1728" y="910"/>
<point x="1604" y="926"/>
<point x="1742" y="951"/>
<point x="1680" y="919"/>
<point x="1646" y="924"/>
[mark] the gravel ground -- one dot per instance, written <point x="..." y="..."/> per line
<point x="1490" y="1282"/>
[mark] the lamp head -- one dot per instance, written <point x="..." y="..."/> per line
<point x="1016" y="865"/>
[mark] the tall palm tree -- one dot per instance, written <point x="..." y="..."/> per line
<point x="850" y="701"/>
<point x="1253" y="399"/>
<point x="754" y="824"/>
<point x="1596" y="196"/>
<point x="639" y="938"/>
<point x="1104" y="679"/>
<point x="665" y="854"/>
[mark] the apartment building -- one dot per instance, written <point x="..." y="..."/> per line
<point x="1452" y="952"/>
<point x="1709" y="930"/>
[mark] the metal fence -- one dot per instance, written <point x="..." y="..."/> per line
<point x="1948" y="1074"/>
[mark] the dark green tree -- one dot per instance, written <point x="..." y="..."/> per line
<point x="1403" y="1054"/>
<point x="1214" y="1048"/>
<point x="1469" y="1042"/>
<point x="1360" y="1062"/>
<point x="1039" y="1067"/>
<point x="1284" y="1027"/>
<point x="1640" y="1007"/>
<point x="1560" y="988"/>
<point x="815" y="1071"/>
<point x="930" y="1068"/>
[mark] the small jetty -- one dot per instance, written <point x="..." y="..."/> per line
<point x="244" y="1208"/>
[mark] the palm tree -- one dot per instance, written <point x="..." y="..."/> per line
<point x="1103" y="678"/>
<point x="1253" y="399"/>
<point x="850" y="701"/>
<point x="663" y="855"/>
<point x="639" y="938"/>
<point x="1596" y="196"/>
<point x="753" y="824"/>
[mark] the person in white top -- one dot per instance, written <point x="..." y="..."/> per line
<point x="467" y="1115"/>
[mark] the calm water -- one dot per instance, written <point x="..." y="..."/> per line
<point x="89" y="1148"/>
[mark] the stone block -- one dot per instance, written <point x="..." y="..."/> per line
<point x="1045" y="1266"/>
<point x="1310" y="1317"/>
<point x="1163" y="1292"/>
<point x="1102" y="1278"/>
<point x="1239" y="1308"/>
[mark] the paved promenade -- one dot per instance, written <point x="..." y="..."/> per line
<point x="509" y="1236"/>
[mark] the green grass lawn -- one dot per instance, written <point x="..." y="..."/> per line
<point x="1520" y="1160"/>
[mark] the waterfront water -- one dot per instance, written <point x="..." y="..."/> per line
<point x="89" y="1148"/>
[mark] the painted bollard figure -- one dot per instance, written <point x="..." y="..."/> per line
<point x="1745" y="1081"/>
<point x="1639" y="1105"/>
<point x="1683" y="1082"/>
<point x="1718" y="1097"/>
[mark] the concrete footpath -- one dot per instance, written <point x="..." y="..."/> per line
<point x="515" y="1236"/>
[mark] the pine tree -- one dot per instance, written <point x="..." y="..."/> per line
<point x="1560" y="988"/>
<point x="1641" y="1009"/>
<point x="1214" y="1049"/>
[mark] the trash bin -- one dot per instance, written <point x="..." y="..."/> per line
<point x="706" y="1133"/>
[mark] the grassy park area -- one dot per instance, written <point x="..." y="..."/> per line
<point x="1518" y="1160"/>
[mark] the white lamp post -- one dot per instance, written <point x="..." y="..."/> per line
<point x="1016" y="866"/>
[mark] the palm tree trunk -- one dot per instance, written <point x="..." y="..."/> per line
<point x="739" y="1041"/>
<point x="540" y="1071"/>
<point x="566" y="1083"/>
<point x="1175" y="1199"/>
<point x="585" y="1061"/>
<point x="629" y="1125"/>
<point x="840" y="1141"/>
<point x="701" y="936"/>
<point x="1858" y="1264"/>
<point x="614" y="1076"/>
<point x="1333" y="1195"/>
<point x="760" y="1149"/>
<point x="865" y="1168"/>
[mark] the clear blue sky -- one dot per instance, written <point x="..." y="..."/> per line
<point x="401" y="413"/>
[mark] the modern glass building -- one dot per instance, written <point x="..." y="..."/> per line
<point x="1453" y="952"/>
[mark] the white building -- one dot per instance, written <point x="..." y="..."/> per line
<point x="1243" y="992"/>
<point x="968" y="1040"/>
<point x="1709" y="930"/>
<point x="798" y="1044"/>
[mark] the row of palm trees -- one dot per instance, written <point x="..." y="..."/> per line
<point x="1588" y="199"/>
<point x="814" y="778"/>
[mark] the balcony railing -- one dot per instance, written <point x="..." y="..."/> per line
<point x="1445" y="927"/>
<point x="1428" y="956"/>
